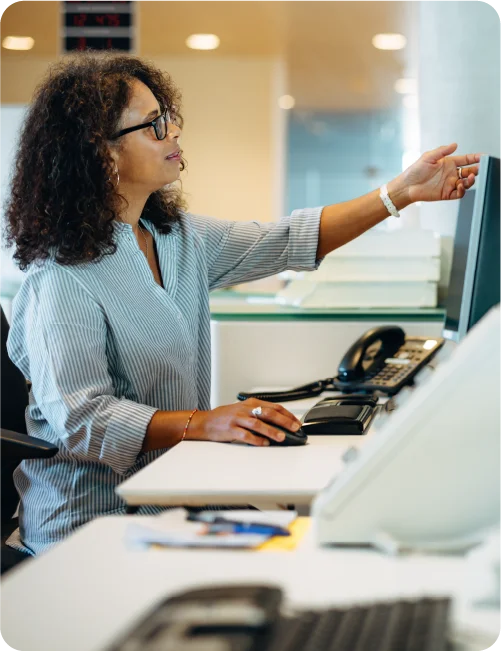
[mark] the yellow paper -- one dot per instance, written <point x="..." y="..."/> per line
<point x="298" y="528"/>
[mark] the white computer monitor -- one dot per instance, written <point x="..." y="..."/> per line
<point x="474" y="280"/>
<point x="428" y="477"/>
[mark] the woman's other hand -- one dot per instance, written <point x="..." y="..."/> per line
<point x="435" y="176"/>
<point x="236" y="423"/>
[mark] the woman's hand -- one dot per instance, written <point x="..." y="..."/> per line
<point x="236" y="423"/>
<point x="435" y="175"/>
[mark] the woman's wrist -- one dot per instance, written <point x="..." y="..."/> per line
<point x="166" y="429"/>
<point x="188" y="424"/>
<point x="195" y="430"/>
<point x="398" y="191"/>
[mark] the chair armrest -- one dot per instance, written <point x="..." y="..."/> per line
<point x="22" y="446"/>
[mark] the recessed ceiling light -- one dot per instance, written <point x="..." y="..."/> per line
<point x="286" y="102"/>
<point x="202" y="41"/>
<point x="389" y="41"/>
<point x="406" y="86"/>
<point x="18" y="43"/>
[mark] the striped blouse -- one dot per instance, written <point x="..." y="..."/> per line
<point x="105" y="347"/>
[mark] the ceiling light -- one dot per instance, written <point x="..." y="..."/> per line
<point x="389" y="41"/>
<point x="286" y="102"/>
<point x="202" y="41"/>
<point x="18" y="43"/>
<point x="406" y="86"/>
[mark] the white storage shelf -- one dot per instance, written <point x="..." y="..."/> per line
<point x="307" y="294"/>
<point x="372" y="269"/>
<point x="376" y="270"/>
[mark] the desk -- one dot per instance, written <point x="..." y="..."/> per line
<point x="204" y="472"/>
<point x="85" y="592"/>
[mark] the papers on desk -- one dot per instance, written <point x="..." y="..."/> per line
<point x="273" y="518"/>
<point x="172" y="529"/>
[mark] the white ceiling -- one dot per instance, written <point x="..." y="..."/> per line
<point x="331" y="63"/>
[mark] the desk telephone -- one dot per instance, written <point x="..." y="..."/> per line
<point x="382" y="361"/>
<point x="385" y="360"/>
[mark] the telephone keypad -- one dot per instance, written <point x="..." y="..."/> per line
<point x="401" y="368"/>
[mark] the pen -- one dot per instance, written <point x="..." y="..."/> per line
<point x="247" y="527"/>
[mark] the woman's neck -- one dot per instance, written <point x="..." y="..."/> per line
<point x="131" y="214"/>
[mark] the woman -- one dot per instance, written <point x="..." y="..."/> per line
<point x="111" y="324"/>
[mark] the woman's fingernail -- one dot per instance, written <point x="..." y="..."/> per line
<point x="296" y="426"/>
<point x="266" y="442"/>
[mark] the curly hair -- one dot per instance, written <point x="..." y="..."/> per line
<point x="63" y="199"/>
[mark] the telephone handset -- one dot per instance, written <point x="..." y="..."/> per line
<point x="369" y="352"/>
<point x="382" y="359"/>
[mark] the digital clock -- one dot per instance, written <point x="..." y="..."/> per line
<point x="97" y="43"/>
<point x="99" y="2"/>
<point x="98" y="25"/>
<point x="97" y="20"/>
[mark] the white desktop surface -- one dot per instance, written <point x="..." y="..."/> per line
<point x="91" y="588"/>
<point x="204" y="472"/>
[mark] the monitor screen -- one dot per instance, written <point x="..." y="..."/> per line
<point x="459" y="259"/>
<point x="485" y="290"/>
<point x="474" y="280"/>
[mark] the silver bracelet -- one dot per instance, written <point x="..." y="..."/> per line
<point x="385" y="198"/>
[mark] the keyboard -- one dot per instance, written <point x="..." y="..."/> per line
<point x="251" y="618"/>
<point x="400" y="626"/>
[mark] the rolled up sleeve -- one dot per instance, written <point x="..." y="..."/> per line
<point x="65" y="343"/>
<point x="244" y="251"/>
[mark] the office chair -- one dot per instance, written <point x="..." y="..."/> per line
<point x="16" y="445"/>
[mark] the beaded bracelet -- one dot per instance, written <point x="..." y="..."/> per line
<point x="388" y="203"/>
<point x="186" y="426"/>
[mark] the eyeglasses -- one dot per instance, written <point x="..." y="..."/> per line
<point x="159" y="124"/>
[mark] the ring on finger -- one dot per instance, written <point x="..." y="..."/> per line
<point x="460" y="173"/>
<point x="257" y="411"/>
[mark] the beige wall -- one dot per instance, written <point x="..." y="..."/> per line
<point x="20" y="75"/>
<point x="234" y="137"/>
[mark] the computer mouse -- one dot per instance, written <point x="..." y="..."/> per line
<point x="291" y="438"/>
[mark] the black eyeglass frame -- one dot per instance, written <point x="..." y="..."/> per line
<point x="146" y="125"/>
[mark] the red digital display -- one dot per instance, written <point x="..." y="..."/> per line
<point x="98" y="25"/>
<point x="97" y="2"/>
<point x="97" y="43"/>
<point x="97" y="20"/>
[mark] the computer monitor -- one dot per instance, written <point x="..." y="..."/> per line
<point x="458" y="268"/>
<point x="474" y="280"/>
<point x="428" y="477"/>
